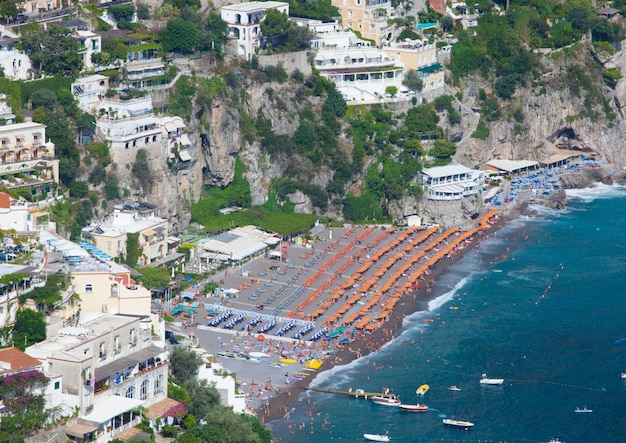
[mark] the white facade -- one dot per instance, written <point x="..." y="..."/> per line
<point x="90" y="44"/>
<point x="214" y="372"/>
<point x="110" y="367"/>
<point x="90" y="90"/>
<point x="451" y="182"/>
<point x="15" y="64"/>
<point x="360" y="73"/>
<point x="244" y="23"/>
<point x="26" y="159"/>
<point x="115" y="109"/>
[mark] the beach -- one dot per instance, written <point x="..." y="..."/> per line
<point x="275" y="384"/>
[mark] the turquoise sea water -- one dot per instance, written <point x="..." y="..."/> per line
<point x="542" y="305"/>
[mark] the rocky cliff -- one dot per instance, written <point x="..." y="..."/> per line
<point x="565" y="107"/>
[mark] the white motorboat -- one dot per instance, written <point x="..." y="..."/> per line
<point x="622" y="375"/>
<point x="491" y="381"/>
<point x="556" y="440"/>
<point x="414" y="408"/>
<point x="376" y="437"/>
<point x="453" y="388"/>
<point x="386" y="400"/>
<point x="458" y="423"/>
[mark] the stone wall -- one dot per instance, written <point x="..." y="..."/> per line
<point x="290" y="61"/>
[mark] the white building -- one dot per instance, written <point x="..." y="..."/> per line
<point x="110" y="367"/>
<point x="90" y="90"/>
<point x="235" y="245"/>
<point x="111" y="234"/>
<point x="360" y="73"/>
<point x="244" y="23"/>
<point x="116" y="109"/>
<point x="26" y="159"/>
<point x="214" y="372"/>
<point x="14" y="63"/>
<point x="90" y="44"/>
<point x="451" y="182"/>
<point x="23" y="216"/>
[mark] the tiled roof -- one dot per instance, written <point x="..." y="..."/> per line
<point x="18" y="360"/>
<point x="160" y="408"/>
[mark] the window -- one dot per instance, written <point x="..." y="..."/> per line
<point x="116" y="343"/>
<point x="133" y="337"/>
<point x="158" y="384"/>
<point x="143" y="393"/>
<point x="154" y="138"/>
<point x="57" y="385"/>
<point x="88" y="288"/>
<point x="130" y="391"/>
<point x="103" y="352"/>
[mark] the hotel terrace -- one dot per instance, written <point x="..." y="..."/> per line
<point x="451" y="182"/>
<point x="26" y="159"/>
<point x="359" y="72"/>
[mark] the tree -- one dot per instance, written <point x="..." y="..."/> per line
<point x="443" y="149"/>
<point x="30" y="328"/>
<point x="391" y="90"/>
<point x="275" y="23"/>
<point x="412" y="81"/>
<point x="8" y="8"/>
<point x="143" y="11"/>
<point x="184" y="364"/>
<point x="52" y="51"/>
<point x="446" y="23"/>
<point x="155" y="277"/>
<point x="141" y="170"/>
<point x="111" y="187"/>
<point x="122" y="12"/>
<point x="179" y="36"/>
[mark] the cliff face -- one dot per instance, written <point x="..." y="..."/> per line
<point x="558" y="114"/>
<point x="551" y="114"/>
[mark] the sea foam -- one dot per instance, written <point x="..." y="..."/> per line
<point x="338" y="375"/>
<point x="600" y="190"/>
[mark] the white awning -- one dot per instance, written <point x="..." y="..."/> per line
<point x="184" y="156"/>
<point x="184" y="140"/>
<point x="170" y="127"/>
<point x="110" y="407"/>
<point x="180" y="124"/>
<point x="274" y="254"/>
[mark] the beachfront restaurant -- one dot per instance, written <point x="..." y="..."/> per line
<point x="563" y="159"/>
<point x="511" y="167"/>
<point x="234" y="246"/>
<point x="451" y="182"/>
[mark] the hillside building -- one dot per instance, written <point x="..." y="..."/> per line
<point x="367" y="17"/>
<point x="451" y="182"/>
<point x="244" y="23"/>
<point x="110" y="367"/>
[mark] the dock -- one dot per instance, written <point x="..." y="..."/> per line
<point x="357" y="393"/>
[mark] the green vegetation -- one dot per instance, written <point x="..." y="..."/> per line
<point x="52" y="51"/>
<point x="318" y="9"/>
<point x="30" y="328"/>
<point x="219" y="424"/>
<point x="193" y="31"/>
<point x="155" y="278"/>
<point x="25" y="410"/>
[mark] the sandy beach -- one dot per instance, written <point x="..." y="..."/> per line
<point x="360" y="322"/>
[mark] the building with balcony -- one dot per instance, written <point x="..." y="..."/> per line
<point x="23" y="216"/>
<point x="10" y="291"/>
<point x="367" y="17"/>
<point x="451" y="182"/>
<point x="26" y="159"/>
<point x="244" y="23"/>
<point x="110" y="368"/>
<point x="90" y="44"/>
<point x="90" y="90"/>
<point x="111" y="234"/>
<point x="15" y="64"/>
<point x="360" y="73"/>
<point x="214" y="373"/>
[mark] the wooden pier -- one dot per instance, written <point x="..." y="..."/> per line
<point x="357" y="393"/>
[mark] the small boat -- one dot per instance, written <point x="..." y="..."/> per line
<point x="556" y="440"/>
<point x="491" y="381"/>
<point x="583" y="409"/>
<point x="453" y="388"/>
<point x="622" y="375"/>
<point x="376" y="437"/>
<point x="414" y="408"/>
<point x="458" y="423"/>
<point x="288" y="360"/>
<point x="428" y="320"/>
<point x="422" y="390"/>
<point x="386" y="400"/>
